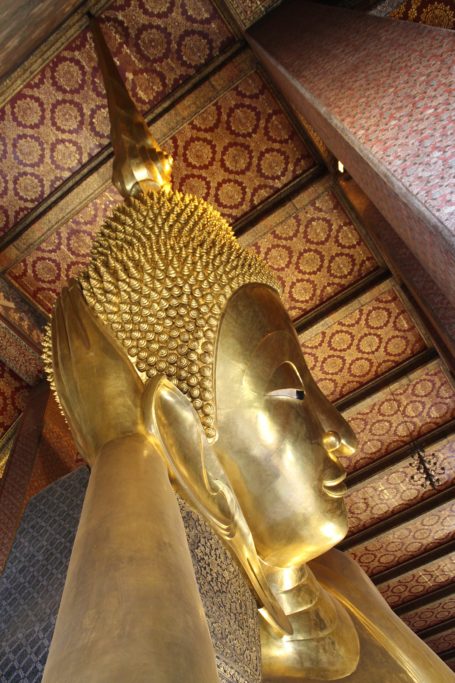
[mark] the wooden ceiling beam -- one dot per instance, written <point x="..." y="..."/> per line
<point x="378" y="383"/>
<point x="398" y="519"/>
<point x="343" y="298"/>
<point x="287" y="192"/>
<point x="415" y="563"/>
<point x="447" y="655"/>
<point x="432" y="631"/>
<point x="424" y="600"/>
<point x="358" y="477"/>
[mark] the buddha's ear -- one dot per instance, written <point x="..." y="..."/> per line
<point x="170" y="418"/>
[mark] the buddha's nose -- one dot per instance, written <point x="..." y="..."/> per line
<point x="334" y="473"/>
<point x="342" y="443"/>
<point x="331" y="441"/>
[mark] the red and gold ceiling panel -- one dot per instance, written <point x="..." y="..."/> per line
<point x="431" y="12"/>
<point x="403" y="411"/>
<point x="361" y="342"/>
<point x="58" y="121"/>
<point x="419" y="581"/>
<point x="315" y="252"/>
<point x="430" y="615"/>
<point x="398" y="488"/>
<point x="234" y="172"/>
<point x="443" y="641"/>
<point x="239" y="151"/>
<point x="42" y="274"/>
<point x="407" y="540"/>
<point x="13" y="396"/>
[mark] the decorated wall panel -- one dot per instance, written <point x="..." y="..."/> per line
<point x="31" y="588"/>
<point x="361" y="342"/>
<point x="403" y="411"/>
<point x="56" y="455"/>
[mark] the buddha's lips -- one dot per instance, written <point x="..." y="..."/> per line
<point x="335" y="489"/>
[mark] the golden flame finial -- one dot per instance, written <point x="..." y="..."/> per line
<point x="140" y="165"/>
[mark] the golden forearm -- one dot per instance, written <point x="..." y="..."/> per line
<point x="130" y="596"/>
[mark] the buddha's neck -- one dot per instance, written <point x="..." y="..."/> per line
<point x="324" y="643"/>
<point x="311" y="609"/>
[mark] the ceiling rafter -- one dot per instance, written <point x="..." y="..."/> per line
<point x="390" y="377"/>
<point x="354" y="291"/>
<point x="437" y="629"/>
<point x="424" y="600"/>
<point x="355" y="479"/>
<point x="415" y="563"/>
<point x="399" y="518"/>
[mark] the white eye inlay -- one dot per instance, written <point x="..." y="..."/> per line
<point x="297" y="394"/>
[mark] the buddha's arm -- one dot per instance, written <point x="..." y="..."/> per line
<point x="130" y="598"/>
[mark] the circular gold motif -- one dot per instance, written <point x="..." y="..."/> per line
<point x="438" y="14"/>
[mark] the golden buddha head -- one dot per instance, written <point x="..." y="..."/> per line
<point x="170" y="280"/>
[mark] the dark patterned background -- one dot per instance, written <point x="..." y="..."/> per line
<point x="32" y="584"/>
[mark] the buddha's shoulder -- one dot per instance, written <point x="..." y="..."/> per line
<point x="386" y="642"/>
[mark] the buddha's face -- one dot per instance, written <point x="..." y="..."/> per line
<point x="279" y="437"/>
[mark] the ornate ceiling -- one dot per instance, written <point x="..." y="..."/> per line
<point x="238" y="144"/>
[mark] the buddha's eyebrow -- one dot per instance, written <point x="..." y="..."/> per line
<point x="274" y="350"/>
<point x="285" y="376"/>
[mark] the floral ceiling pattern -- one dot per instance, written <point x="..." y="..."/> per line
<point x="236" y="143"/>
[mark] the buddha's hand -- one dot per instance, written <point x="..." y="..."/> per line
<point x="99" y="390"/>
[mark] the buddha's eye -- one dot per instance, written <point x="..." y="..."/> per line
<point x="297" y="394"/>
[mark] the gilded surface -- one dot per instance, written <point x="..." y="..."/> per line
<point x="171" y="305"/>
<point x="162" y="270"/>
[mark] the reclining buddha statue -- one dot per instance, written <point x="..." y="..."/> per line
<point x="177" y="367"/>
